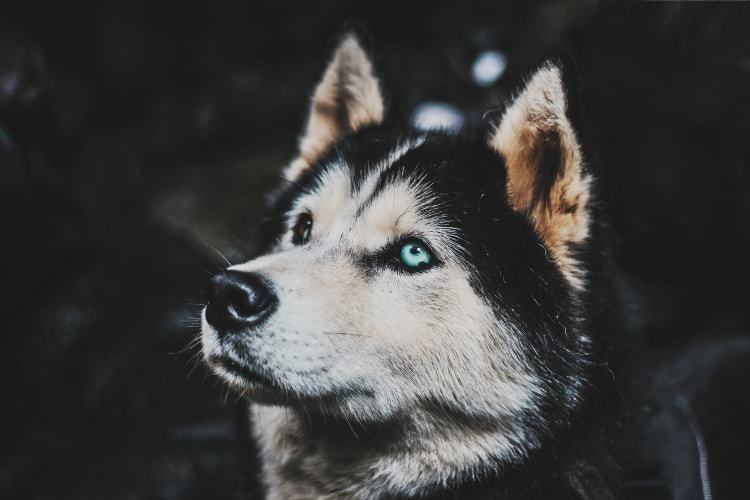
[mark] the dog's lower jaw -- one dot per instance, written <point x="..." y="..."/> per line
<point x="422" y="454"/>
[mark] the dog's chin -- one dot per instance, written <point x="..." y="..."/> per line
<point x="248" y="382"/>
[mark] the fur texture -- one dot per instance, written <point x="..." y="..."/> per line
<point x="482" y="375"/>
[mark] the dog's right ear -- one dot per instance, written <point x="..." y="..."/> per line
<point x="347" y="99"/>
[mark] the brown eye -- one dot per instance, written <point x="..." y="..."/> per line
<point x="301" y="229"/>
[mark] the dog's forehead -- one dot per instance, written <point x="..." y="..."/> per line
<point x="393" y="211"/>
<point x="368" y="201"/>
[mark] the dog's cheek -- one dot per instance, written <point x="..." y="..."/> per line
<point x="451" y="349"/>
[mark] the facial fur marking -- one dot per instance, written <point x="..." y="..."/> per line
<point x="372" y="185"/>
<point x="430" y="330"/>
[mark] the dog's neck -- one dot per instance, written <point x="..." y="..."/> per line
<point x="307" y="456"/>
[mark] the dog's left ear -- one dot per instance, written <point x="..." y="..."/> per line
<point x="347" y="99"/>
<point x="545" y="175"/>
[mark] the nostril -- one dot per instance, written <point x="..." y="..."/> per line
<point x="238" y="300"/>
<point x="243" y="302"/>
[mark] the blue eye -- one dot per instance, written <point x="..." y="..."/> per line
<point x="415" y="255"/>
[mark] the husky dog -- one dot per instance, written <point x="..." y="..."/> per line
<point x="428" y="318"/>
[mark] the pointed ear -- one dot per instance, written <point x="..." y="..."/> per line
<point x="545" y="176"/>
<point x="347" y="99"/>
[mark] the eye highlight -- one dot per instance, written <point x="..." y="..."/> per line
<point x="415" y="255"/>
<point x="302" y="229"/>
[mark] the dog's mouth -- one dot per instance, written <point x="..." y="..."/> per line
<point x="246" y="375"/>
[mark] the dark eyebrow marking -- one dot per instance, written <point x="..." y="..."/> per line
<point x="390" y="175"/>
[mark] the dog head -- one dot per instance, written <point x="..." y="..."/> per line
<point x="416" y="273"/>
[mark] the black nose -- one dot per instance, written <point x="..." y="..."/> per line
<point x="238" y="300"/>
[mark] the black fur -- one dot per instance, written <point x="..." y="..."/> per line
<point x="576" y="422"/>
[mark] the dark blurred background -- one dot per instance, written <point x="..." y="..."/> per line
<point x="137" y="140"/>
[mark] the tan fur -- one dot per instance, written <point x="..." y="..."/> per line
<point x="350" y="91"/>
<point x="535" y="122"/>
